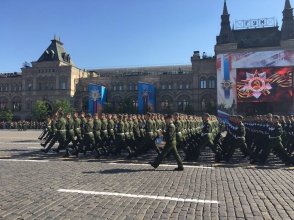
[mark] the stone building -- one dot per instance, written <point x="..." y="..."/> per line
<point x="54" y="75"/>
<point x="251" y="37"/>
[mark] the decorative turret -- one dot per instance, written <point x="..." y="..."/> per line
<point x="226" y="35"/>
<point x="56" y="51"/>
<point x="288" y="22"/>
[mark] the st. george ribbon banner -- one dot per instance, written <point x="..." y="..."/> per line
<point x="97" y="98"/>
<point x="146" y="97"/>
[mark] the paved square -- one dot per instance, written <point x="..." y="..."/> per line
<point x="35" y="185"/>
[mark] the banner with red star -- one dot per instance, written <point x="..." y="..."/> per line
<point x="264" y="84"/>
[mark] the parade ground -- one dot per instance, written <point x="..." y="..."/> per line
<point x="35" y="185"/>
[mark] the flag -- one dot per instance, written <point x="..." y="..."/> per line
<point x="97" y="98"/>
<point x="146" y="97"/>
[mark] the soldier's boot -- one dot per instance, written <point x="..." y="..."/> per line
<point x="67" y="154"/>
<point x="42" y="135"/>
<point x="106" y="152"/>
<point x="130" y="155"/>
<point x="46" y="150"/>
<point x="57" y="149"/>
<point x="218" y="158"/>
<point x="98" y="153"/>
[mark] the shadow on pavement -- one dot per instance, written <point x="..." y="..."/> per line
<point x="118" y="170"/>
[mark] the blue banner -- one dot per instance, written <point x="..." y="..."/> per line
<point x="97" y="98"/>
<point x="146" y="97"/>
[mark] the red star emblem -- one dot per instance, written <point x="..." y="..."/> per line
<point x="145" y="94"/>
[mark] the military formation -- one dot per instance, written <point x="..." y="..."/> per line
<point x="22" y="125"/>
<point x="110" y="134"/>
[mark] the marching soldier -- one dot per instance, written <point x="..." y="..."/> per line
<point x="170" y="146"/>
<point x="207" y="139"/>
<point x="60" y="134"/>
<point x="239" y="135"/>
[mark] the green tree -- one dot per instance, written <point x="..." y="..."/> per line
<point x="146" y="109"/>
<point x="40" y="110"/>
<point x="64" y="105"/>
<point x="189" y="109"/>
<point x="107" y="107"/>
<point x="210" y="108"/>
<point x="7" y="115"/>
<point x="127" y="106"/>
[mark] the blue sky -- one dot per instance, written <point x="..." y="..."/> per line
<point x="119" y="33"/>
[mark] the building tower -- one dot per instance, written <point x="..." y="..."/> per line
<point x="288" y="22"/>
<point x="226" y="35"/>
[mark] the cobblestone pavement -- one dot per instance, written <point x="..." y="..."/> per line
<point x="34" y="185"/>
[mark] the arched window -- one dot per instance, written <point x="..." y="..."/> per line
<point x="135" y="105"/>
<point x="85" y="104"/>
<point x="203" y="83"/>
<point x="211" y="82"/>
<point x="29" y="104"/>
<point x="16" y="104"/>
<point x="3" y="103"/>
<point x="166" y="104"/>
<point x="117" y="104"/>
<point x="207" y="103"/>
<point x="182" y="104"/>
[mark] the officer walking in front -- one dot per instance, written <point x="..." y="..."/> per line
<point x="170" y="146"/>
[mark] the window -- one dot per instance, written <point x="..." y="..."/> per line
<point x="46" y="86"/>
<point x="19" y="88"/>
<point x="120" y="88"/>
<point x="39" y="71"/>
<point x="114" y="88"/>
<point x="117" y="104"/>
<point x="136" y="88"/>
<point x="29" y="87"/>
<point x="51" y="86"/>
<point x="163" y="87"/>
<point x="130" y="87"/>
<point x="203" y="83"/>
<point x="85" y="89"/>
<point x="29" y="104"/>
<point x="187" y="86"/>
<point x="63" y="86"/>
<point x="135" y="105"/>
<point x="0" y="89"/>
<point x="211" y="83"/>
<point x="169" y="86"/>
<point x="40" y="86"/>
<point x="181" y="86"/>
<point x="182" y="105"/>
<point x="6" y="88"/>
<point x="16" y="105"/>
<point x="207" y="102"/>
<point x="14" y="88"/>
<point x="53" y="70"/>
<point x="167" y="105"/>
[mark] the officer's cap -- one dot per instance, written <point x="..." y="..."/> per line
<point x="276" y="117"/>
<point x="103" y="114"/>
<point x="240" y="117"/>
<point x="89" y="115"/>
<point x="206" y="114"/>
<point x="82" y="113"/>
<point x="168" y="116"/>
<point x="96" y="114"/>
<point x="149" y="114"/>
<point x="269" y="115"/>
